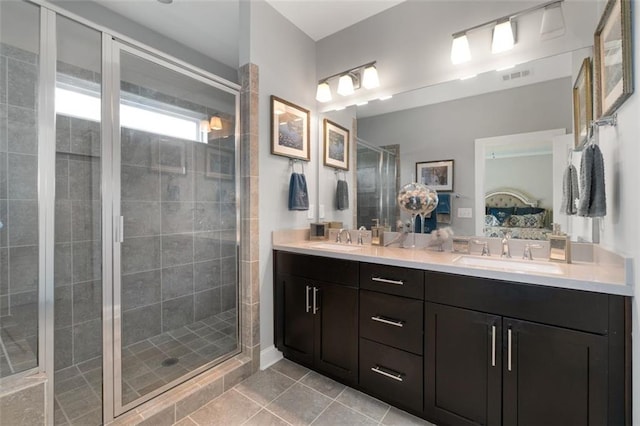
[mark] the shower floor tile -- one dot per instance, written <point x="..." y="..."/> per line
<point x="146" y="366"/>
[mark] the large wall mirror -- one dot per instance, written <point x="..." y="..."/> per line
<point x="446" y="121"/>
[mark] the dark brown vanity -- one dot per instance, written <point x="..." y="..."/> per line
<point x="457" y="349"/>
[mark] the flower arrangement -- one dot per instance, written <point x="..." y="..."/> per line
<point x="415" y="198"/>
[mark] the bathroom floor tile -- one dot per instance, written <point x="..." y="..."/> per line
<point x="338" y="414"/>
<point x="264" y="386"/>
<point x="231" y="408"/>
<point x="299" y="405"/>
<point x="323" y="384"/>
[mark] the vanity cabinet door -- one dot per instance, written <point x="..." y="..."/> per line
<point x="336" y="331"/>
<point x="463" y="366"/>
<point x="553" y="376"/>
<point x="294" y="317"/>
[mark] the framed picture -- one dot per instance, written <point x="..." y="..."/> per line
<point x="613" y="62"/>
<point x="437" y="175"/>
<point x="289" y="130"/>
<point x="220" y="163"/>
<point x="336" y="145"/>
<point x="169" y="157"/>
<point x="582" y="103"/>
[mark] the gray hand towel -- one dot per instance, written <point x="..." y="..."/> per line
<point x="570" y="191"/>
<point x="342" y="195"/>
<point x="593" y="202"/>
<point x="298" y="196"/>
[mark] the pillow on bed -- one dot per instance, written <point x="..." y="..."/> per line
<point x="526" y="220"/>
<point x="491" y="220"/>
<point x="529" y="210"/>
<point x="501" y="213"/>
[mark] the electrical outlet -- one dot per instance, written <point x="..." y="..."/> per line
<point x="465" y="212"/>
<point x="310" y="211"/>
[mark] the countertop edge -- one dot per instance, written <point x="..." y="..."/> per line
<point x="525" y="278"/>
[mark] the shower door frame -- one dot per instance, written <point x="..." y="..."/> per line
<point x="112" y="223"/>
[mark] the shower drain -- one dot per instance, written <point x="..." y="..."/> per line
<point x="169" y="362"/>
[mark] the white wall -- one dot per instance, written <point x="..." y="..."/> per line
<point x="286" y="60"/>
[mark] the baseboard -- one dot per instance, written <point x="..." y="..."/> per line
<point x="269" y="356"/>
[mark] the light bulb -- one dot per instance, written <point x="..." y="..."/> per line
<point x="345" y="85"/>
<point x="503" y="38"/>
<point x="460" y="50"/>
<point x="370" y="78"/>
<point x="216" y="123"/>
<point x="323" y="94"/>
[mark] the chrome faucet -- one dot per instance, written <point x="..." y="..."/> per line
<point x="527" y="251"/>
<point x="485" y="247"/>
<point x="505" y="245"/>
<point x="361" y="231"/>
<point x="339" y="236"/>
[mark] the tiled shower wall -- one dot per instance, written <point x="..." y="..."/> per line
<point x="18" y="209"/>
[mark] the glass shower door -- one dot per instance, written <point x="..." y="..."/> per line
<point x="175" y="253"/>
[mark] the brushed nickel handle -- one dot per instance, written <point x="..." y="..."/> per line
<point x="387" y="281"/>
<point x="493" y="345"/>
<point x="308" y="306"/>
<point x="388" y="373"/>
<point x="315" y="300"/>
<point x="395" y="323"/>
<point x="509" y="349"/>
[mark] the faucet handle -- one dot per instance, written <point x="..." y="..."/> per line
<point x="527" y="250"/>
<point x="485" y="247"/>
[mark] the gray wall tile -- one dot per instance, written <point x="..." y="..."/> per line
<point x="138" y="148"/>
<point x="63" y="221"/>
<point x="87" y="261"/>
<point x="87" y="340"/>
<point x="22" y="134"/>
<point x="84" y="179"/>
<point x="177" y="217"/>
<point x="4" y="235"/>
<point x="140" y="184"/>
<point x="87" y="301"/>
<point x="3" y="127"/>
<point x="62" y="177"/>
<point x="207" y="275"/>
<point x="177" y="281"/>
<point x="4" y="271"/>
<point x="25" y="407"/>
<point x="3" y="175"/>
<point x="85" y="137"/>
<point x="140" y="289"/>
<point x="140" y="254"/>
<point x="22" y="177"/>
<point x="177" y="249"/>
<point x="22" y="79"/>
<point x="86" y="220"/>
<point x="177" y="313"/>
<point x="228" y="216"/>
<point x="63" y="348"/>
<point x="141" y="218"/>
<point x="17" y="53"/>
<point x="207" y="217"/>
<point x="3" y="79"/>
<point x="228" y="299"/>
<point x="141" y="323"/>
<point x="229" y="266"/>
<point x="23" y="264"/>
<point x="176" y="187"/>
<point x="206" y="246"/>
<point x="22" y="225"/>
<point x="62" y="307"/>
<point x="207" y="303"/>
<point x="62" y="265"/>
<point x="207" y="189"/>
<point x="63" y="133"/>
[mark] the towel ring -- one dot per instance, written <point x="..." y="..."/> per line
<point x="292" y="163"/>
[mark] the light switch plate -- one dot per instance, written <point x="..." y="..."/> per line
<point x="310" y="211"/>
<point x="465" y="212"/>
<point x="320" y="211"/>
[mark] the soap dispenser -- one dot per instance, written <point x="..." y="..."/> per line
<point x="376" y="232"/>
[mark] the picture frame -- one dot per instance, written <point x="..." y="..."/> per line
<point x="613" y="61"/>
<point x="437" y="175"/>
<point x="336" y="145"/>
<point x="220" y="163"/>
<point x="582" y="103"/>
<point x="290" y="130"/>
<point x="170" y="157"/>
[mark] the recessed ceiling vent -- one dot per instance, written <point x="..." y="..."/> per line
<point x="515" y="75"/>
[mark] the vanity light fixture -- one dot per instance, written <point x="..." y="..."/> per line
<point x="504" y="30"/>
<point x="365" y="75"/>
<point x="216" y="123"/>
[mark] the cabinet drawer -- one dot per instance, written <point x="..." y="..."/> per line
<point x="392" y="280"/>
<point x="393" y="320"/>
<point x="391" y="374"/>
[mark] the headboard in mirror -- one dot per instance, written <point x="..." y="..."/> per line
<point x="512" y="211"/>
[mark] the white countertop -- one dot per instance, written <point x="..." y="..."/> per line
<point x="585" y="276"/>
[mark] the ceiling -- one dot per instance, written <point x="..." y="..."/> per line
<point x="212" y="26"/>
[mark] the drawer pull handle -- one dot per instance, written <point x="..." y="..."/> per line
<point x="308" y="305"/>
<point x="509" y="349"/>
<point x="493" y="345"/>
<point x="386" y="281"/>
<point x="389" y="373"/>
<point x="315" y="300"/>
<point x="388" y="321"/>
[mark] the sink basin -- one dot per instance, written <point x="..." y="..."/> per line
<point x="336" y="246"/>
<point x="522" y="266"/>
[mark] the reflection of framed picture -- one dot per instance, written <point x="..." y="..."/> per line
<point x="170" y="157"/>
<point x="437" y="175"/>
<point x="219" y="163"/>
<point x="336" y="145"/>
<point x="582" y="103"/>
<point x="289" y="130"/>
<point x="613" y="63"/>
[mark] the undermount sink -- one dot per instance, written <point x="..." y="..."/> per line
<point x="511" y="265"/>
<point x="336" y="246"/>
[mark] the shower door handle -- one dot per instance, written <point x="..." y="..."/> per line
<point x="119" y="228"/>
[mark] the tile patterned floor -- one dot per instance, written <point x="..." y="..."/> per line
<point x="78" y="389"/>
<point x="18" y="352"/>
<point x="289" y="394"/>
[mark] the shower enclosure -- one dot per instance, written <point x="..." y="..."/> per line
<point x="377" y="184"/>
<point x="119" y="216"/>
